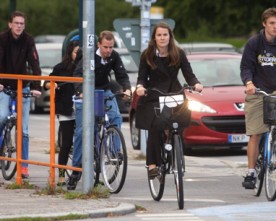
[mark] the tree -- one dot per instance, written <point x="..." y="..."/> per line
<point x="195" y="19"/>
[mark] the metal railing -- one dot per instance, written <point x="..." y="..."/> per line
<point x="52" y="164"/>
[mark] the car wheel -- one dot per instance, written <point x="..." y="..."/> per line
<point x="34" y="108"/>
<point x="32" y="105"/>
<point x="135" y="133"/>
<point x="187" y="150"/>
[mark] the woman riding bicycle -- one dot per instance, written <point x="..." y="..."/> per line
<point x="159" y="67"/>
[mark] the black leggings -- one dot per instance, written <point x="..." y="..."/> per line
<point x="67" y="134"/>
<point x="154" y="144"/>
<point x="156" y="139"/>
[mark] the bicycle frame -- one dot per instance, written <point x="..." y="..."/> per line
<point x="172" y="159"/>
<point x="110" y="154"/>
<point x="8" y="147"/>
<point x="10" y="119"/>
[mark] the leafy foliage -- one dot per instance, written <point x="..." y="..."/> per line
<point x="194" y="19"/>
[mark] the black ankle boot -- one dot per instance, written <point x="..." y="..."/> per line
<point x="73" y="180"/>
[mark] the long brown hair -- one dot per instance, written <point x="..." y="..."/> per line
<point x="67" y="59"/>
<point x="173" y="50"/>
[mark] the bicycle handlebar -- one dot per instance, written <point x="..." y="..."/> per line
<point x="191" y="89"/>
<point x="13" y="93"/>
<point x="259" y="91"/>
<point x="116" y="94"/>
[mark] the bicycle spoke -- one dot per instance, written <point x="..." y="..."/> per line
<point x="270" y="176"/>
<point x="8" y="150"/>
<point x="260" y="170"/>
<point x="113" y="160"/>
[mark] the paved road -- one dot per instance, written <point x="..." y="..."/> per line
<point x="212" y="187"/>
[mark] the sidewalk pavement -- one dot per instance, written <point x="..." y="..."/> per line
<point x="26" y="203"/>
<point x="18" y="203"/>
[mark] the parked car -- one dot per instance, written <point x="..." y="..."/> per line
<point x="49" y="39"/>
<point x="49" y="55"/>
<point x="218" y="114"/>
<point x="132" y="71"/>
<point x="207" y="47"/>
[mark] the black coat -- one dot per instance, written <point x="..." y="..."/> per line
<point x="14" y="56"/>
<point x="103" y="73"/>
<point x="64" y="92"/>
<point x="163" y="78"/>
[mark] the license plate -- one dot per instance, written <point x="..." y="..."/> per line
<point x="238" y="138"/>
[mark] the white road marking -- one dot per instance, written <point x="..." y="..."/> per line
<point x="169" y="216"/>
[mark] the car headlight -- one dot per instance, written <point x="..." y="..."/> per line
<point x="199" y="107"/>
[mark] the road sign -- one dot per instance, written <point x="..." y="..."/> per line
<point x="130" y="32"/>
<point x="139" y="2"/>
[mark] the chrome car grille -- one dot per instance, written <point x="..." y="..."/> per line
<point x="225" y="124"/>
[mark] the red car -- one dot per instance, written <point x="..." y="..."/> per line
<point x="217" y="114"/>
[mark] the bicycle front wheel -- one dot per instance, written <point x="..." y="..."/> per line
<point x="178" y="170"/>
<point x="157" y="184"/>
<point x="260" y="170"/>
<point x="270" y="174"/>
<point x="113" y="159"/>
<point x="8" y="150"/>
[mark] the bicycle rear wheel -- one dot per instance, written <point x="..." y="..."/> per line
<point x="8" y="149"/>
<point x="260" y="169"/>
<point x="178" y="170"/>
<point x="270" y="173"/>
<point x="113" y="159"/>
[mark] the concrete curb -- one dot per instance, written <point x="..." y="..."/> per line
<point x="121" y="209"/>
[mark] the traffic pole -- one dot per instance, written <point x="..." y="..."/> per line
<point x="88" y="30"/>
<point x="145" y="36"/>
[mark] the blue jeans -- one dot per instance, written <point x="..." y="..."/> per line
<point x="114" y="118"/>
<point x="5" y="112"/>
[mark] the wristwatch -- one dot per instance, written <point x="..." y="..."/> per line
<point x="249" y="82"/>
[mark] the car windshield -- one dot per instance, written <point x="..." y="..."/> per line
<point x="48" y="58"/>
<point x="216" y="72"/>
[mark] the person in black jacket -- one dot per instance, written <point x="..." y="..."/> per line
<point x="64" y="105"/>
<point x="17" y="49"/>
<point x="258" y="70"/>
<point x="106" y="60"/>
<point x="159" y="67"/>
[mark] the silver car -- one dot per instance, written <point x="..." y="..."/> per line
<point x="49" y="55"/>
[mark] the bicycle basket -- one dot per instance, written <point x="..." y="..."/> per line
<point x="174" y="109"/>
<point x="269" y="108"/>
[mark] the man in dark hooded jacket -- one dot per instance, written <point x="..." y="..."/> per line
<point x="17" y="50"/>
